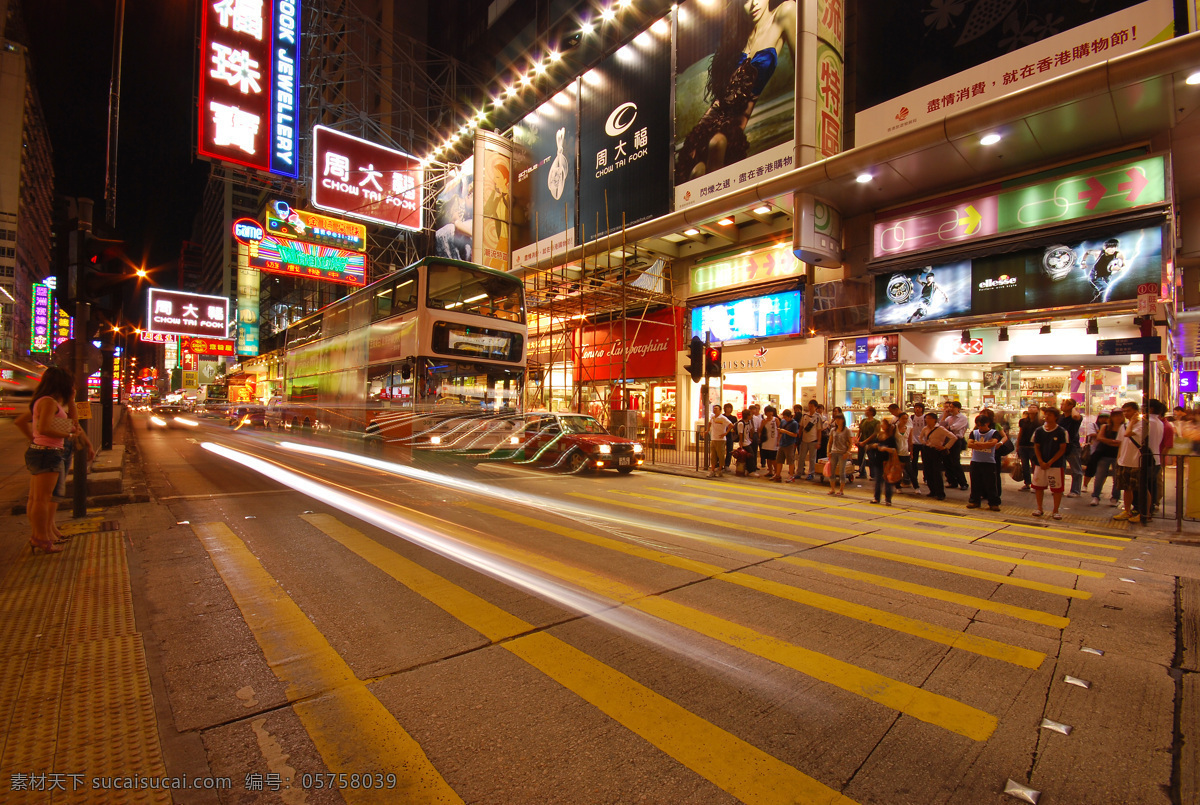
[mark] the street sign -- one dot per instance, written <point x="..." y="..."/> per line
<point x="1129" y="346"/>
<point x="1147" y="297"/>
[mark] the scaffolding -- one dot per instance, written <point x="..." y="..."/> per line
<point x="610" y="298"/>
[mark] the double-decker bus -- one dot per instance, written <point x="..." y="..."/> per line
<point x="433" y="354"/>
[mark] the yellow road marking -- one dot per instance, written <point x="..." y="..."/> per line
<point x="352" y="730"/>
<point x="923" y="705"/>
<point x="725" y="509"/>
<point x="888" y="620"/>
<point x="718" y="489"/>
<point x="723" y="759"/>
<point x="1020" y="533"/>
<point x="984" y="555"/>
<point x="947" y="534"/>
<point x="912" y="513"/>
<point x="842" y="546"/>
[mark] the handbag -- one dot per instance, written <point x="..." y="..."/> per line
<point x="827" y="470"/>
<point x="893" y="470"/>
<point x="741" y="454"/>
<point x="62" y="424"/>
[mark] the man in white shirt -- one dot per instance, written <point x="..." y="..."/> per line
<point x="718" y="426"/>
<point x="756" y="421"/>
<point x="1131" y="441"/>
<point x="955" y="421"/>
<point x="810" y="439"/>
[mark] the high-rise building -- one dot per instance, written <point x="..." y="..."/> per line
<point x="26" y="186"/>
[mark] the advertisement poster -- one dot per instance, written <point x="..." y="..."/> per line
<point x="923" y="294"/>
<point x="735" y="95"/>
<point x="285" y="220"/>
<point x="920" y="61"/>
<point x="454" y="213"/>
<point x="546" y="145"/>
<point x="758" y="317"/>
<point x="1088" y="272"/>
<point x="493" y="243"/>
<point x="864" y="349"/>
<point x="297" y="258"/>
<point x="625" y="131"/>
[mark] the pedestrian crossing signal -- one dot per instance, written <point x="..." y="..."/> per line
<point x="712" y="362"/>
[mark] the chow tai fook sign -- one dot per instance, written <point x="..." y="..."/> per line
<point x="208" y="346"/>
<point x="648" y="348"/>
<point x="298" y="258"/>
<point x="250" y="84"/>
<point x="1018" y="205"/>
<point x="366" y="181"/>
<point x="188" y="313"/>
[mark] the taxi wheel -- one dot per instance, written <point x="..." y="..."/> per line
<point x="624" y="470"/>
<point x="578" y="462"/>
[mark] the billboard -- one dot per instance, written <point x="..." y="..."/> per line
<point x="1091" y="270"/>
<point x="454" y="213"/>
<point x="298" y="258"/>
<point x="286" y="221"/>
<point x="735" y="96"/>
<point x="919" y="62"/>
<point x="250" y="84"/>
<point x="493" y="240"/>
<point x="748" y="268"/>
<point x="757" y="317"/>
<point x="546" y="177"/>
<point x="650" y="347"/>
<point x="208" y="346"/>
<point x="370" y="182"/>
<point x="625" y="137"/>
<point x="182" y="313"/>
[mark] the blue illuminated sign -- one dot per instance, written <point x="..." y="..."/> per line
<point x="285" y="89"/>
<point x="1187" y="382"/>
<point x="757" y="317"/>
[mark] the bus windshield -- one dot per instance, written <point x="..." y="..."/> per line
<point x="464" y="290"/>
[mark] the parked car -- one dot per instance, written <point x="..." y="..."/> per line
<point x="576" y="442"/>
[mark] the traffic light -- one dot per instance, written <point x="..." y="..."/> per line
<point x="88" y="267"/>
<point x="712" y="362"/>
<point x="695" y="366"/>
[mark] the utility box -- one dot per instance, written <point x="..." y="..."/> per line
<point x="625" y="423"/>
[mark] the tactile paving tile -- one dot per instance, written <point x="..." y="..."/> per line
<point x="34" y="720"/>
<point x="36" y="592"/>
<point x="102" y="603"/>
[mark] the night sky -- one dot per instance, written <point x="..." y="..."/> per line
<point x="159" y="184"/>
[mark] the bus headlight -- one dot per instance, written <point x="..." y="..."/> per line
<point x="637" y="448"/>
<point x="605" y="449"/>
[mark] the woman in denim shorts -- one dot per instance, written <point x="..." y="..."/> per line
<point x="46" y="425"/>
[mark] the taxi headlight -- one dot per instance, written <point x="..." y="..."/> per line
<point x="514" y="440"/>
<point x="435" y="439"/>
<point x="605" y="449"/>
<point x="637" y="448"/>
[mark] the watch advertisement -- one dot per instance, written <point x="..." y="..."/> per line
<point x="928" y="293"/>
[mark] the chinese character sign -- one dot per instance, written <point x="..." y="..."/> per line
<point x="250" y="83"/>
<point x="284" y="219"/>
<point x="40" y="334"/>
<point x="366" y="181"/>
<point x="188" y="313"/>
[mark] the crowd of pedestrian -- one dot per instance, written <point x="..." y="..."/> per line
<point x="919" y="448"/>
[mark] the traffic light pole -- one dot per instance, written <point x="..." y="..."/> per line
<point x="82" y="311"/>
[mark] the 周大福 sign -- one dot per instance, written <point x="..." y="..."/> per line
<point x="366" y="181"/>
<point x="250" y="84"/>
<point x="182" y="313"/>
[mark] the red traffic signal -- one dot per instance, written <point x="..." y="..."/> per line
<point x="712" y="362"/>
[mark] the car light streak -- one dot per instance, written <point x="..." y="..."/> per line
<point x="640" y="625"/>
<point x="162" y="423"/>
<point x="191" y="423"/>
<point x="545" y="504"/>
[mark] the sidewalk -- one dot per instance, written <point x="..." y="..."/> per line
<point x="1017" y="506"/>
<point x="75" y="699"/>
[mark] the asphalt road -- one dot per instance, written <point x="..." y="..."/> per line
<point x="504" y="634"/>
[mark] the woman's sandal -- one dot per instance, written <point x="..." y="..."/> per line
<point x="44" y="547"/>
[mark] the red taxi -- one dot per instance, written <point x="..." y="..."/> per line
<point x="576" y="442"/>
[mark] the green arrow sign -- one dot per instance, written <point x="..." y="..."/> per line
<point x="1110" y="188"/>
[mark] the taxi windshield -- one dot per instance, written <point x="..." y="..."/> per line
<point x="582" y="424"/>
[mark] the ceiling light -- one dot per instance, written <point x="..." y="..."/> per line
<point x="539" y="68"/>
<point x="625" y="3"/>
<point x="587" y="29"/>
<point x="608" y="15"/>
<point x="989" y="139"/>
<point x="525" y="80"/>
<point x="511" y="91"/>
<point x="863" y="178"/>
<point x="763" y="210"/>
<point x="555" y="55"/>
<point x="661" y="28"/>
<point x="691" y="232"/>
<point x="726" y="222"/>
<point x="1193" y="79"/>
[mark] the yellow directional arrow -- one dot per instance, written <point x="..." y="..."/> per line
<point x="972" y="220"/>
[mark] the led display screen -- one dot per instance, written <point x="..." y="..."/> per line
<point x="757" y="317"/>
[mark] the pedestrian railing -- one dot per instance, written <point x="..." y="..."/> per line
<point x="678" y="447"/>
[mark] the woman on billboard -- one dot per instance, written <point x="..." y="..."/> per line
<point x="752" y="35"/>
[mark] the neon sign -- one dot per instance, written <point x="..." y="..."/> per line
<point x="249" y="84"/>
<point x="299" y="259"/>
<point x="40" y="335"/>
<point x="285" y="220"/>
<point x="366" y="181"/>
